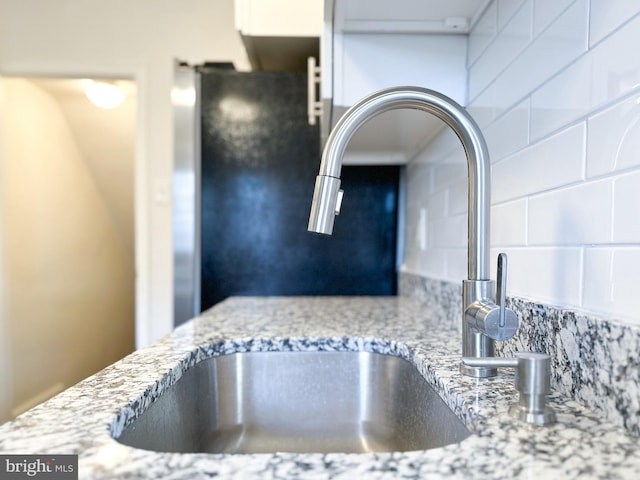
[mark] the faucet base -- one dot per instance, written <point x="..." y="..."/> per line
<point x="478" y="372"/>
<point x="545" y="417"/>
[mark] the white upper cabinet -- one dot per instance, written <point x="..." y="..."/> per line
<point x="279" y="18"/>
<point x="368" y="45"/>
<point x="279" y="34"/>
<point x="406" y="16"/>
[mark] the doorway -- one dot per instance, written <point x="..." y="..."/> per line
<point x="67" y="227"/>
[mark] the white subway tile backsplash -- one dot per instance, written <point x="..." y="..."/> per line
<point x="626" y="217"/>
<point x="446" y="174"/>
<point x="562" y="100"/>
<point x="550" y="275"/>
<point x="415" y="170"/>
<point x="509" y="224"/>
<point x="602" y="75"/>
<point x="546" y="11"/>
<point x="509" y="133"/>
<point x="625" y="265"/>
<point x="598" y="288"/>
<point x="615" y="69"/>
<point x="418" y="180"/>
<point x="554" y="162"/>
<point x="572" y="216"/>
<point x="608" y="15"/>
<point x="431" y="263"/>
<point x="555" y="87"/>
<point x="482" y="108"/>
<point x="613" y="140"/>
<point x="437" y="205"/>
<point x="440" y="148"/>
<point x="483" y="32"/>
<point x="434" y="263"/>
<point x="506" y="9"/>
<point x="457" y="196"/>
<point x="456" y="264"/>
<point x="610" y="281"/>
<point x="449" y="232"/>
<point x="624" y="274"/>
<point x="553" y="50"/>
<point x="515" y="36"/>
<point x="417" y="242"/>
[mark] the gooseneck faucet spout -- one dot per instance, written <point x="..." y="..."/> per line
<point x="324" y="208"/>
<point x="480" y="312"/>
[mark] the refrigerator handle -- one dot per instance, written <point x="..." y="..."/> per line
<point x="314" y="106"/>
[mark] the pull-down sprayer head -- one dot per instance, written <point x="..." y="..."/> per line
<point x="327" y="198"/>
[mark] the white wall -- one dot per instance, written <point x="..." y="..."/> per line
<point x="6" y="392"/>
<point x="137" y="39"/>
<point x="555" y="87"/>
<point x="68" y="298"/>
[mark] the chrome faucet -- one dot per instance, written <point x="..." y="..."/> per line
<point x="483" y="320"/>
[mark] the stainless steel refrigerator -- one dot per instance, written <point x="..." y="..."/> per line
<point x="251" y="168"/>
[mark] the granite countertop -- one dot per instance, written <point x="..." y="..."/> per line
<point x="83" y="419"/>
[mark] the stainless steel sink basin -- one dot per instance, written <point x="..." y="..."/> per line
<point x="306" y="402"/>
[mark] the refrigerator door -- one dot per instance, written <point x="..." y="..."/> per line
<point x="259" y="161"/>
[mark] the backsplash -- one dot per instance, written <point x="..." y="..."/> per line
<point x="594" y="361"/>
<point x="555" y="87"/>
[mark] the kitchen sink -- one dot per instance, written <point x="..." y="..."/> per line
<point x="307" y="402"/>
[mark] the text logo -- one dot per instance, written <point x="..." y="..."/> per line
<point x="50" y="467"/>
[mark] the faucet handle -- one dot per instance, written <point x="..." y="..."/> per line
<point x="495" y="320"/>
<point x="501" y="288"/>
<point x="507" y="321"/>
<point x="532" y="380"/>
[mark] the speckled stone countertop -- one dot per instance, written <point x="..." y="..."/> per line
<point x="83" y="419"/>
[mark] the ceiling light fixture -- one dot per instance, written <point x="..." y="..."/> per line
<point x="104" y="94"/>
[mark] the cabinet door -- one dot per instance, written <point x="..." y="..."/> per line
<point x="279" y="18"/>
<point x="279" y="35"/>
